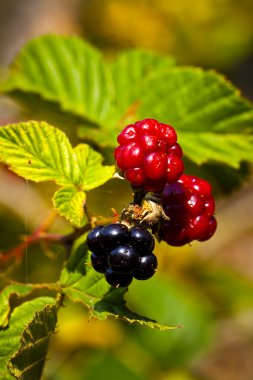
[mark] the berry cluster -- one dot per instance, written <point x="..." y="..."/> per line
<point x="121" y="253"/>
<point x="149" y="155"/>
<point x="180" y="208"/>
<point x="190" y="206"/>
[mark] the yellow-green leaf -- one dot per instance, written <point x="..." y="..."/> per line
<point x="93" y="172"/>
<point x="69" y="202"/>
<point x="40" y="152"/>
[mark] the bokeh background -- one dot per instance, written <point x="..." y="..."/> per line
<point x="207" y="288"/>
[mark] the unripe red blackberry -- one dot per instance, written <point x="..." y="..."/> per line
<point x="149" y="155"/>
<point x="190" y="206"/>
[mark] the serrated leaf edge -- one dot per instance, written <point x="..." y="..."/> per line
<point x="13" y="370"/>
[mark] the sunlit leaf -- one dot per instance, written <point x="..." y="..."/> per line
<point x="63" y="69"/>
<point x="40" y="152"/>
<point x="212" y="120"/>
<point x="69" y="202"/>
<point x="130" y="70"/>
<point x="93" y="173"/>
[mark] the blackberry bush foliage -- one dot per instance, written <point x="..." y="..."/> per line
<point x="72" y="86"/>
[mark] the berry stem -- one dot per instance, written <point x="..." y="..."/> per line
<point x="139" y="195"/>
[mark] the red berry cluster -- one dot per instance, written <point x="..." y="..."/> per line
<point x="150" y="158"/>
<point x="149" y="155"/>
<point x="190" y="206"/>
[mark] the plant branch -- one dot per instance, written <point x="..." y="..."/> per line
<point x="40" y="234"/>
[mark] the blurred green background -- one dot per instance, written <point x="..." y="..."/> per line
<point x="206" y="289"/>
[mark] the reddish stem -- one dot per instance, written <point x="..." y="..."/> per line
<point x="40" y="234"/>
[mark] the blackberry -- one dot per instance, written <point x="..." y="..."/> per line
<point x="99" y="262"/>
<point x="113" y="235"/>
<point x="149" y="155"/>
<point x="119" y="253"/>
<point x="93" y="239"/>
<point x="146" y="267"/>
<point x="123" y="259"/>
<point x="141" y="239"/>
<point x="190" y="206"/>
<point x="116" y="279"/>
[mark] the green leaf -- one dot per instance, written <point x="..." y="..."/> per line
<point x="230" y="149"/>
<point x="93" y="172"/>
<point x="213" y="121"/>
<point x="69" y="202"/>
<point x="82" y="284"/>
<point x="66" y="70"/>
<point x="23" y="349"/>
<point x="20" y="290"/>
<point x="40" y="152"/>
<point x="131" y="69"/>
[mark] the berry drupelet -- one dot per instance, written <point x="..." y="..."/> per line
<point x="122" y="254"/>
<point x="148" y="155"/>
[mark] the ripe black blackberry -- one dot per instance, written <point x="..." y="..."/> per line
<point x="122" y="253"/>
<point x="123" y="259"/>
<point x="146" y="267"/>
